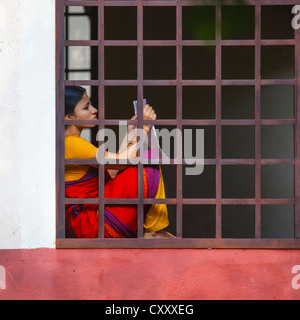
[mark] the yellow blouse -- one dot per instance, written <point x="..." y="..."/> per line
<point x="77" y="148"/>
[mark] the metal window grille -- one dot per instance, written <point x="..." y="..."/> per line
<point x="219" y="122"/>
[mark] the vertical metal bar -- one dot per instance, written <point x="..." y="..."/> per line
<point x="140" y="77"/>
<point x="67" y="17"/>
<point x="179" y="117"/>
<point x="297" y="132"/>
<point x="218" y="124"/>
<point x="101" y="114"/>
<point x="60" y="134"/>
<point x="257" y="121"/>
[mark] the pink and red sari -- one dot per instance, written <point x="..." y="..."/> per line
<point x="120" y="221"/>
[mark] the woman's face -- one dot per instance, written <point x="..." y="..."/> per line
<point x="84" y="110"/>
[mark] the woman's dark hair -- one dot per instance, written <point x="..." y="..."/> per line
<point x="73" y="94"/>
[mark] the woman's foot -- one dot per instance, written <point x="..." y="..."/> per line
<point x="161" y="234"/>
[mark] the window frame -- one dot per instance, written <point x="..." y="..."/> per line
<point x="218" y="122"/>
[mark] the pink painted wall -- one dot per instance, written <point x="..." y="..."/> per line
<point x="149" y="274"/>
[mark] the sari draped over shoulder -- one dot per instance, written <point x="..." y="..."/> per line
<point x="120" y="221"/>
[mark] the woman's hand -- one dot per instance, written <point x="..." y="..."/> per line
<point x="129" y="145"/>
<point x="148" y="114"/>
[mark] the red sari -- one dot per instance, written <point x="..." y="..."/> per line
<point x="120" y="221"/>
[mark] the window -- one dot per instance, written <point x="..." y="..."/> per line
<point x="230" y="68"/>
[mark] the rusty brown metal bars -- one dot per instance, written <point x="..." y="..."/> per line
<point x="188" y="161"/>
<point x="153" y="43"/>
<point x="60" y="139"/>
<point x="218" y="122"/>
<point x="140" y="77"/>
<point x="179" y="116"/>
<point x="257" y="122"/>
<point x="101" y="113"/>
<point x="179" y="243"/>
<point x="218" y="129"/>
<point x="297" y="133"/>
<point x="173" y="3"/>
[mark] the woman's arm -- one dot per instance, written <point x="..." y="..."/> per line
<point x="128" y="148"/>
<point x="129" y="132"/>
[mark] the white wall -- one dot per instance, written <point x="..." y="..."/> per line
<point x="27" y="124"/>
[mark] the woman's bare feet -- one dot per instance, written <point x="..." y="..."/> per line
<point x="158" y="235"/>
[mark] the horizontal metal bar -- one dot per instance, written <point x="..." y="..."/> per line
<point x="234" y="2"/>
<point x="185" y="162"/>
<point x="152" y="43"/>
<point x="119" y="3"/>
<point x="186" y="122"/>
<point x="120" y="82"/>
<point x="159" y="122"/>
<point x="159" y="82"/>
<point x="270" y="122"/>
<point x="172" y="43"/>
<point x="240" y="82"/>
<point x="278" y="201"/>
<point x="239" y="122"/>
<point x="185" y="201"/>
<point x="274" y="201"/>
<point x="253" y="161"/>
<point x="81" y="161"/>
<point x="277" y="42"/>
<point x="277" y="161"/>
<point x="159" y="43"/>
<point x="173" y="3"/>
<point x="123" y="201"/>
<point x="81" y="122"/>
<point x="250" y="82"/>
<point x="276" y="2"/>
<point x="81" y="3"/>
<point x="132" y="162"/>
<point x="265" y="42"/>
<point x="81" y="201"/>
<point x="276" y="82"/>
<point x="191" y="43"/>
<point x="120" y="43"/>
<point x="116" y="122"/>
<point x="180" y="243"/>
<point x="82" y="43"/>
<point x="191" y="122"/>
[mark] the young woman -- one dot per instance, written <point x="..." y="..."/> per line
<point x="81" y="181"/>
